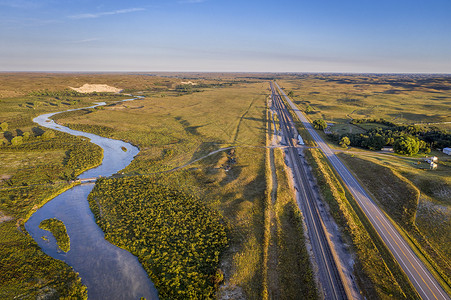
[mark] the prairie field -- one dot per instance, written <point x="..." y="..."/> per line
<point x="404" y="99"/>
<point x="172" y="126"/>
<point x="202" y="141"/>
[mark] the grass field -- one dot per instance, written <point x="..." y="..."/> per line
<point x="176" y="129"/>
<point x="402" y="99"/>
<point x="175" y="125"/>
<point x="171" y="127"/>
<point x="416" y="198"/>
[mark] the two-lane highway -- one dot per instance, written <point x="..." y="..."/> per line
<point x="421" y="278"/>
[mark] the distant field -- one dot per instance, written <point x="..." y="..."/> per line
<point x="402" y="99"/>
<point x="173" y="130"/>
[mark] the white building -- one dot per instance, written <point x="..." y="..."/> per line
<point x="447" y="150"/>
<point x="432" y="159"/>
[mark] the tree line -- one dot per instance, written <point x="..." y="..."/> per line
<point x="405" y="139"/>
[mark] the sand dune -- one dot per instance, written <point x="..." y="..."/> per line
<point x="101" y="88"/>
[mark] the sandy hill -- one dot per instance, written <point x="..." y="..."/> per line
<point x="101" y="88"/>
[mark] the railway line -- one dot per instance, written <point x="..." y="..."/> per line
<point x="329" y="274"/>
<point x="421" y="278"/>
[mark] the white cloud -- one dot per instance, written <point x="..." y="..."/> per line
<point x="84" y="41"/>
<point x="107" y="13"/>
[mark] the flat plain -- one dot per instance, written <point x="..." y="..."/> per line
<point x="202" y="139"/>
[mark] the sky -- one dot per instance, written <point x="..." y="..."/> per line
<point x="361" y="36"/>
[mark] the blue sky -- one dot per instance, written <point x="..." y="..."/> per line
<point x="226" y="35"/>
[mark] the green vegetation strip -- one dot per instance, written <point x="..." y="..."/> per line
<point x="176" y="237"/>
<point x="378" y="274"/>
<point x="294" y="267"/>
<point x="58" y="229"/>
<point x="308" y="140"/>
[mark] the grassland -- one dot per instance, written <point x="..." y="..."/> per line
<point x="172" y="126"/>
<point x="32" y="174"/>
<point x="294" y="269"/>
<point x="416" y="198"/>
<point x="402" y="99"/>
<point x="174" y="129"/>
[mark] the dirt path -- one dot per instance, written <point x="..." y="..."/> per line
<point x="241" y="120"/>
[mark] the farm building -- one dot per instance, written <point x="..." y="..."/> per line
<point x="432" y="159"/>
<point x="447" y="150"/>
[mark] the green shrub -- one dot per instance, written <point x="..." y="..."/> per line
<point x="176" y="237"/>
<point x="320" y="124"/>
<point x="58" y="229"/>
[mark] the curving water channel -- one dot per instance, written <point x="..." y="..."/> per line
<point x="108" y="272"/>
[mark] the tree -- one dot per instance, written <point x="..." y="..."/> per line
<point x="345" y="142"/>
<point x="320" y="124"/>
<point x="407" y="145"/>
<point x="376" y="142"/>
<point x="290" y="94"/>
<point x="4" y="126"/>
<point x="17" y="141"/>
<point x="309" y="109"/>
<point x="389" y="141"/>
<point x="48" y="135"/>
<point x="424" y="147"/>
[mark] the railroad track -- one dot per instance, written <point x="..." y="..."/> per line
<point x="421" y="278"/>
<point x="329" y="274"/>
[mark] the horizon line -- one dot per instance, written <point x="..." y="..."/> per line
<point x="229" y="72"/>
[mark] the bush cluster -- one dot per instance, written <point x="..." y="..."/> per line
<point x="408" y="139"/>
<point x="176" y="237"/>
<point x="58" y="229"/>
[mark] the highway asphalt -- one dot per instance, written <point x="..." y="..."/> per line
<point x="421" y="278"/>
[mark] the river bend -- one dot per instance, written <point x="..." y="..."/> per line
<point x="108" y="272"/>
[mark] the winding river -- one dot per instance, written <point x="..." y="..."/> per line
<point x="108" y="272"/>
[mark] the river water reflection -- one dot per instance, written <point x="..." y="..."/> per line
<point x="108" y="271"/>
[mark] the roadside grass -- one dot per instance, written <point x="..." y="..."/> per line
<point x="308" y="140"/>
<point x="287" y="265"/>
<point x="294" y="268"/>
<point x="368" y="126"/>
<point x="378" y="274"/>
<point x="426" y="222"/>
<point x="346" y="128"/>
